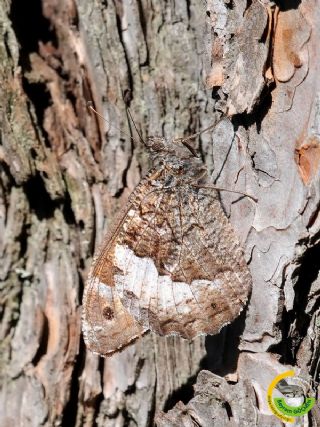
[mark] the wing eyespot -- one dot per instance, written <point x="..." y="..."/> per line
<point x="108" y="313"/>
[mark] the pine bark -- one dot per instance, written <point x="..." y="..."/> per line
<point x="64" y="174"/>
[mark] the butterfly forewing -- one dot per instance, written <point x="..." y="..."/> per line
<point x="172" y="265"/>
<point x="107" y="326"/>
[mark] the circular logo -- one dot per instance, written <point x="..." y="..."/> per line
<point x="287" y="397"/>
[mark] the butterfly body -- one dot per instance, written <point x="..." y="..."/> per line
<point x="172" y="264"/>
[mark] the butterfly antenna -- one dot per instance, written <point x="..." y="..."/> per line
<point x="184" y="141"/>
<point x="188" y="138"/>
<point x="130" y="115"/>
<point x="89" y="105"/>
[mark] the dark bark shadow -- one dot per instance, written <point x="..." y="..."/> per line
<point x="287" y="5"/>
<point x="223" y="349"/>
<point x="182" y="394"/>
<point x="221" y="359"/>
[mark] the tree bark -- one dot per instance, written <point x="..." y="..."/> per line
<point x="65" y="173"/>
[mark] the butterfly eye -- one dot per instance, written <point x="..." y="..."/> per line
<point x="156" y="143"/>
<point x="177" y="169"/>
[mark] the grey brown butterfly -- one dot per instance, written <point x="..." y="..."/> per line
<point x="171" y="264"/>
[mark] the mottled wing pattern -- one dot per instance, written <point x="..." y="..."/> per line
<point x="180" y="268"/>
<point x="173" y="261"/>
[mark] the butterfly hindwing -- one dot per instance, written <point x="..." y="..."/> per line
<point x="180" y="270"/>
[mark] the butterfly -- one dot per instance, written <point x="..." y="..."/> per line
<point x="171" y="263"/>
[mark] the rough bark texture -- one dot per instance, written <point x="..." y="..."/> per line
<point x="64" y="174"/>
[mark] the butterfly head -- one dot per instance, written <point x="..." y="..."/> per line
<point x="180" y="159"/>
<point x="157" y="144"/>
<point x="160" y="146"/>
